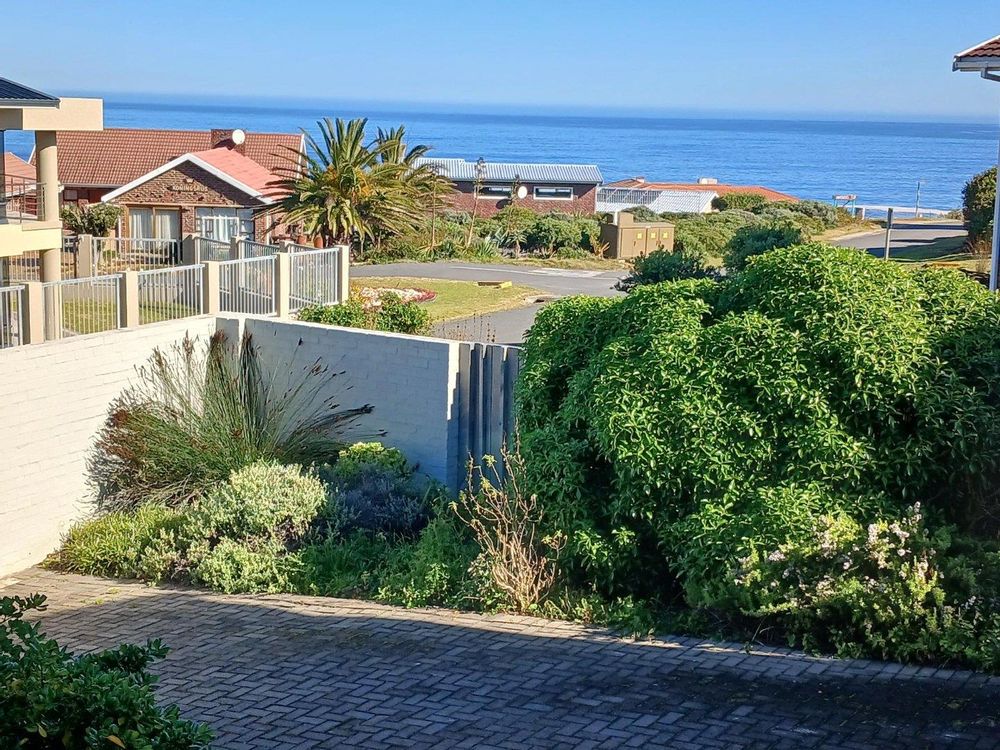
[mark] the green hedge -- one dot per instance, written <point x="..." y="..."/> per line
<point x="674" y="432"/>
<point x="978" y="198"/>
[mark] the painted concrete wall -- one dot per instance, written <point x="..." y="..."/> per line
<point x="411" y="381"/>
<point x="55" y="398"/>
<point x="57" y="395"/>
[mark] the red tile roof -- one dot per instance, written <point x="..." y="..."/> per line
<point x="117" y="156"/>
<point x="242" y="169"/>
<point x="989" y="48"/>
<point x="16" y="166"/>
<point x="639" y="183"/>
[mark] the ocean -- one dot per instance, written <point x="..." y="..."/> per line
<point x="880" y="162"/>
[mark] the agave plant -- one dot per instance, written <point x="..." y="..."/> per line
<point x="197" y="414"/>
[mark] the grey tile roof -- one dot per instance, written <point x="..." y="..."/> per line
<point x="14" y="94"/>
<point x="496" y="171"/>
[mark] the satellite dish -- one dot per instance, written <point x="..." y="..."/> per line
<point x="522" y="191"/>
<point x="238" y="137"/>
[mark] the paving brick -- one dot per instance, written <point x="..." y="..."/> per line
<point x="304" y="673"/>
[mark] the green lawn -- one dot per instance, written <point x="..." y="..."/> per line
<point x="944" y="250"/>
<point x="456" y="299"/>
<point x="92" y="316"/>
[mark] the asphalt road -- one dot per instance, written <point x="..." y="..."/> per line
<point x="905" y="235"/>
<point x="509" y="326"/>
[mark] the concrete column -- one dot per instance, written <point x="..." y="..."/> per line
<point x="34" y="312"/>
<point x="235" y="248"/>
<point x="128" y="299"/>
<point x="210" y="288"/>
<point x="343" y="273"/>
<point x="47" y="173"/>
<point x="283" y="285"/>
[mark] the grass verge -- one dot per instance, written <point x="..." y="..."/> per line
<point x="456" y="299"/>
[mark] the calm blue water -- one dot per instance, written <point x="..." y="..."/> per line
<point x="879" y="161"/>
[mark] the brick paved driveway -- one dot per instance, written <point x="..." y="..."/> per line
<point x="290" y="672"/>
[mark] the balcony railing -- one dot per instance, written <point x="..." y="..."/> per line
<point x="21" y="199"/>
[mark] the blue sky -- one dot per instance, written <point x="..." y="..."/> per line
<point x="881" y="58"/>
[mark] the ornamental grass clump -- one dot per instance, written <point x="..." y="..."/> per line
<point x="198" y="413"/>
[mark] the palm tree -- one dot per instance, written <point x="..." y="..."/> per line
<point x="344" y="189"/>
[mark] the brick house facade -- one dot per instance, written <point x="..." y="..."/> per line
<point x="543" y="188"/>
<point x="186" y="188"/>
<point x="583" y="201"/>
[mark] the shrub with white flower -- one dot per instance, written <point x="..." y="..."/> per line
<point x="856" y="590"/>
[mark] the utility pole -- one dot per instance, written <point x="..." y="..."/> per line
<point x="888" y="233"/>
<point x="916" y="207"/>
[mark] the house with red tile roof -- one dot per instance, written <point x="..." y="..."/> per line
<point x="675" y="197"/>
<point x="984" y="59"/>
<point x="217" y="183"/>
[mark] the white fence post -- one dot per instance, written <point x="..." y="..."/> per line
<point x="34" y="312"/>
<point x="210" y="288"/>
<point x="282" y="284"/>
<point x="235" y="248"/>
<point x="343" y="273"/>
<point x="128" y="299"/>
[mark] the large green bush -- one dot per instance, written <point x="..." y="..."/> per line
<point x="746" y="201"/>
<point x="50" y="698"/>
<point x="756" y="239"/>
<point x="666" y="265"/>
<point x="671" y="432"/>
<point x="978" y="198"/>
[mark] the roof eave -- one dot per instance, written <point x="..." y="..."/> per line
<point x="976" y="64"/>
<point x="26" y="103"/>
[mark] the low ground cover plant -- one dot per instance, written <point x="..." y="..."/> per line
<point x="391" y="314"/>
<point x="367" y="524"/>
<point x="53" y="699"/>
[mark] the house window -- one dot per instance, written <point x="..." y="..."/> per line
<point x="495" y="191"/>
<point x="553" y="193"/>
<point x="224" y="223"/>
<point x="154" y="223"/>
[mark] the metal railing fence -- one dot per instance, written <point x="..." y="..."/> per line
<point x="11" y="316"/>
<point x="74" y="307"/>
<point x="113" y="254"/>
<point x="170" y="293"/>
<point x="248" y="286"/>
<point x="315" y="277"/>
<point x="208" y="249"/>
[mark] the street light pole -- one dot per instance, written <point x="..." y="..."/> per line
<point x="916" y="207"/>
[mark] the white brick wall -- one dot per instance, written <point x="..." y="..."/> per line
<point x="55" y="398"/>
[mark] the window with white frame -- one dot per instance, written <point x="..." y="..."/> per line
<point x="495" y="191"/>
<point x="553" y="193"/>
<point x="223" y="224"/>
